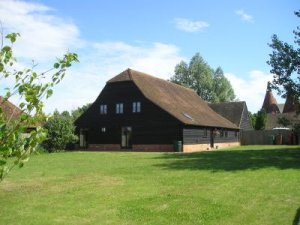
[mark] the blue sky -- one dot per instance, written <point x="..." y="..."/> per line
<point x="150" y="36"/>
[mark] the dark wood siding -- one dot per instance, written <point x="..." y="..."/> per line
<point x="231" y="136"/>
<point x="150" y="126"/>
<point x="196" y="135"/>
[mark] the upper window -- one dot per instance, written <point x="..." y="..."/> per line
<point x="136" y="107"/>
<point x="119" y="108"/>
<point x="103" y="109"/>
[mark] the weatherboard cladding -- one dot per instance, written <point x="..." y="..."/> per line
<point x="182" y="103"/>
<point x="272" y="120"/>
<point x="151" y="126"/>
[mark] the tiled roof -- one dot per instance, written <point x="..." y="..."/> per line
<point x="182" y="103"/>
<point x="11" y="112"/>
<point x="290" y="105"/>
<point x="270" y="103"/>
<point x="232" y="111"/>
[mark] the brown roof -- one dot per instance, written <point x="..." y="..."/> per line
<point x="272" y="120"/>
<point x="11" y="112"/>
<point x="232" y="111"/>
<point x="182" y="103"/>
<point x="270" y="103"/>
<point x="290" y="105"/>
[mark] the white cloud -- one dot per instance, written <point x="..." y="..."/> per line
<point x="43" y="35"/>
<point x="107" y="59"/>
<point x="244" y="16"/>
<point x="190" y="25"/>
<point x="251" y="89"/>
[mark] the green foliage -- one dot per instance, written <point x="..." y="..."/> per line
<point x="80" y="110"/>
<point x="211" y="85"/>
<point x="15" y="146"/>
<point x="222" y="87"/>
<point x="60" y="131"/>
<point x="285" y="63"/>
<point x="259" y="120"/>
<point x="283" y="121"/>
<point x="253" y="119"/>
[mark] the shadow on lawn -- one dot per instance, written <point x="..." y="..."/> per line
<point x="297" y="218"/>
<point x="234" y="160"/>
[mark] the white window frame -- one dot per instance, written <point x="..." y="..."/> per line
<point x="103" y="109"/>
<point x="136" y="107"/>
<point x="119" y="108"/>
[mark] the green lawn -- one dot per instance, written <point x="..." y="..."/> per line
<point x="246" y="185"/>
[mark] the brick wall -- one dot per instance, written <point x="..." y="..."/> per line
<point x="153" y="148"/>
<point x="205" y="147"/>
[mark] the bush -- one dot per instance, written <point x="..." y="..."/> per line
<point x="60" y="132"/>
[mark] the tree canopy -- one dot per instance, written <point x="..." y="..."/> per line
<point x="285" y="65"/>
<point x="210" y="84"/>
<point x="80" y="110"/>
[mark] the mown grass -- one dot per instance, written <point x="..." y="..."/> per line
<point x="245" y="185"/>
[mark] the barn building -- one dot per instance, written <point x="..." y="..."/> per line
<point x="139" y="112"/>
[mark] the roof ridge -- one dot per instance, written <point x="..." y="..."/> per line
<point x="154" y="77"/>
<point x="129" y="73"/>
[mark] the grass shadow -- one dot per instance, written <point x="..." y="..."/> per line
<point x="234" y="160"/>
<point x="296" y="220"/>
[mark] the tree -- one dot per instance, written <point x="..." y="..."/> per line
<point x="32" y="90"/>
<point x="211" y="85"/>
<point x="260" y="119"/>
<point x="80" y="110"/>
<point x="222" y="87"/>
<point x="283" y="121"/>
<point x="285" y="63"/>
<point x="60" y="131"/>
<point x="253" y="118"/>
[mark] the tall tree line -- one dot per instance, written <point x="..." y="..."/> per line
<point x="211" y="85"/>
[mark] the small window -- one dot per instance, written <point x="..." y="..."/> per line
<point x="103" y="129"/>
<point x="136" y="107"/>
<point x="226" y="133"/>
<point x="103" y="109"/>
<point x="119" y="108"/>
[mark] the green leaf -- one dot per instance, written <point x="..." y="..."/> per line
<point x="12" y="37"/>
<point x="56" y="65"/>
<point x="49" y="93"/>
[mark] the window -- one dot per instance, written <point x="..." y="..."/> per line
<point x="103" y="129"/>
<point x="119" y="108"/>
<point x="103" y="109"/>
<point x="136" y="107"/>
